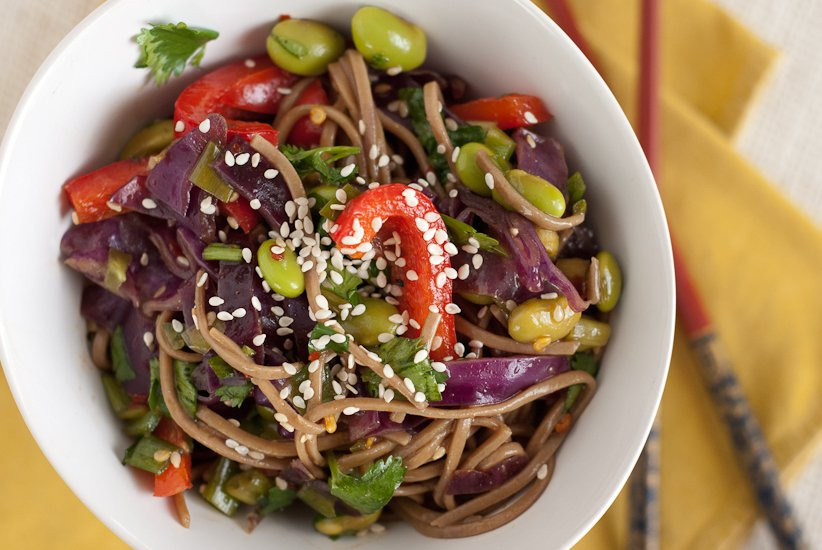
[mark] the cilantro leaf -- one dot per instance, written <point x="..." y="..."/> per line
<point x="318" y="160"/>
<point x="413" y="97"/>
<point x="584" y="362"/>
<point x="234" y="395"/>
<point x="399" y="353"/>
<point x="461" y="233"/>
<point x="186" y="392"/>
<point x="120" y="363"/>
<point x="166" y="49"/>
<point x="370" y="491"/>
<point x="275" y="500"/>
<point x="315" y="340"/>
<point x="346" y="291"/>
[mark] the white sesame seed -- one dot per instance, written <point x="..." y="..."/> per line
<point x="229" y="158"/>
<point x="289" y="369"/>
<point x="419" y="397"/>
<point x="389" y="395"/>
<point x="114" y="206"/>
<point x="205" y="125"/>
<point x="250" y="63"/>
<point x="409" y="384"/>
<point x="270" y="174"/>
<point x="435" y="249"/>
<point x="411" y="275"/>
<point x="529" y="139"/>
<point x="255" y="303"/>
<point x="202" y="280"/>
<point x="384" y="160"/>
<point x="280" y="417"/>
<point x="177" y="325"/>
<point x="258" y="340"/>
<point x="441" y="279"/>
<point x="256" y="455"/>
<point x="247" y="255"/>
<point x="436" y="260"/>
<point x="179" y="126"/>
<point x="144" y="259"/>
<point x="224" y="316"/>
<point x="234" y="422"/>
<point x="347" y="170"/>
<point x="422" y="224"/>
<point x="475" y="344"/>
<point x="183" y="261"/>
<point x="542" y="473"/>
<point x="433" y="309"/>
<point x="175" y="456"/>
<point x="299" y="402"/>
<point x="283" y="90"/>
<point x="489" y="180"/>
<point x="438" y="366"/>
<point x="348" y="411"/>
<point x="239" y="313"/>
<point x="453" y="193"/>
<point x="215" y="301"/>
<point x="476" y="260"/>
<point x="231" y="444"/>
<point x="393" y="71"/>
<point x="255" y="160"/>
<point x="359" y="309"/>
<point x="455" y="154"/>
<point x="255" y="204"/>
<point x="421" y="355"/>
<point x="148" y="339"/>
<point x="451" y="249"/>
<point x="384" y="337"/>
<point x="452" y="308"/>
<point x="428" y="235"/>
<point x="549" y="295"/>
<point x="149" y="204"/>
<point x="441" y="149"/>
<point x="530" y="118"/>
<point x="374" y="152"/>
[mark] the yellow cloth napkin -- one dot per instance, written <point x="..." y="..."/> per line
<point x="756" y="260"/>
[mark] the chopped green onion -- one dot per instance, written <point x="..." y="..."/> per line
<point x="461" y="234"/>
<point x="317" y="501"/>
<point x="155" y="399"/>
<point x="222" y="369"/>
<point x="117" y="396"/>
<point x="174" y="338"/>
<point x="576" y="187"/>
<point x="120" y="363"/>
<point x="207" y="179"/>
<point x="143" y="425"/>
<point x="223" y="252"/>
<point x="584" y="362"/>
<point x="116" y="266"/>
<point x="332" y="214"/>
<point x="214" y="491"/>
<point x="344" y="525"/>
<point x="580" y="207"/>
<point x="195" y="341"/>
<point x="150" y="454"/>
<point x="275" y="500"/>
<point x="248" y="487"/>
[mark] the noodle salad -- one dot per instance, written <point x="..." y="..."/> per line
<point x="336" y="280"/>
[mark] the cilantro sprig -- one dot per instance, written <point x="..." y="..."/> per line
<point x="370" y="491"/>
<point x="319" y="159"/>
<point x="399" y="353"/>
<point x="166" y="49"/>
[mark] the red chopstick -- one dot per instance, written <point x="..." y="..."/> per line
<point x="719" y="377"/>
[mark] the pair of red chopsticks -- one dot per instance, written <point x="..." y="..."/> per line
<point x="729" y="398"/>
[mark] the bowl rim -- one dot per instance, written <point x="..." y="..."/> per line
<point x="666" y="264"/>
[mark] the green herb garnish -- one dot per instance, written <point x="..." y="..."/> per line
<point x="223" y="252"/>
<point x="276" y="499"/>
<point x="331" y="213"/>
<point x="166" y="49"/>
<point x="344" y="292"/>
<point x="370" y="491"/>
<point x="234" y="395"/>
<point x="318" y="160"/>
<point x="321" y="330"/>
<point x="399" y="353"/>
<point x="222" y="369"/>
<point x="584" y="362"/>
<point x="461" y="233"/>
<point x="142" y="454"/>
<point x="120" y="363"/>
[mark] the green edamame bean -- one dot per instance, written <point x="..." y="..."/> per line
<point x="610" y="281"/>
<point x="304" y="47"/>
<point x="495" y="139"/>
<point x="248" y="487"/>
<point x="386" y="40"/>
<point x="367" y="327"/>
<point x="472" y="175"/>
<point x="478" y="299"/>
<point x="590" y="333"/>
<point x="536" y="190"/>
<point x="550" y="240"/>
<point x="540" y="318"/>
<point x="149" y="141"/>
<point x="281" y="270"/>
<point x="340" y="525"/>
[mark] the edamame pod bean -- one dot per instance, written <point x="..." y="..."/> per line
<point x="248" y="487"/>
<point x="387" y="41"/>
<point x="550" y="240"/>
<point x="341" y="525"/>
<point x="539" y="318"/>
<point x="536" y="190"/>
<point x="590" y="333"/>
<point x="304" y="47"/>
<point x="280" y="269"/>
<point x="472" y="175"/>
<point x="495" y="139"/>
<point x="376" y="320"/>
<point x="610" y="281"/>
<point x="149" y="141"/>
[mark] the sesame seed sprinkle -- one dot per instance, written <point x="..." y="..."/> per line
<point x="255" y="204"/>
<point x="542" y="473"/>
<point x="215" y="301"/>
<point x="270" y="174"/>
<point x="530" y="118"/>
<point x="224" y="316"/>
<point x="452" y="308"/>
<point x="250" y="63"/>
<point x="347" y="170"/>
<point x="179" y="126"/>
<point x="348" y="411"/>
<point x="149" y="204"/>
<point x="489" y="180"/>
<point x="202" y="280"/>
<point x="258" y="340"/>
<point x="229" y="158"/>
<point x="393" y="71"/>
<point x="205" y="125"/>
<point x="148" y="339"/>
<point x="441" y="149"/>
<point x="419" y="397"/>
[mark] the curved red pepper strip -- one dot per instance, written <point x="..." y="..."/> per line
<point x="398" y="207"/>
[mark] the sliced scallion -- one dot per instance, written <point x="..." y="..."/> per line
<point x="120" y="363"/>
<point x="150" y="454"/>
<point x="332" y="213"/>
<point x="206" y="178"/>
<point x="116" y="267"/>
<point x="214" y="491"/>
<point x="143" y="425"/>
<point x="223" y="252"/>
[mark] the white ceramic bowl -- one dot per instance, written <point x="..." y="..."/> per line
<point x="85" y="101"/>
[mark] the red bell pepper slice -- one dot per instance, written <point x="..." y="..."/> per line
<point x="247" y="130"/>
<point x="229" y="90"/>
<point x="508" y="111"/>
<point x="399" y="207"/>
<point x="305" y="133"/>
<point x="174" y="480"/>
<point x="247" y="218"/>
<point x="259" y="91"/>
<point x="88" y="194"/>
